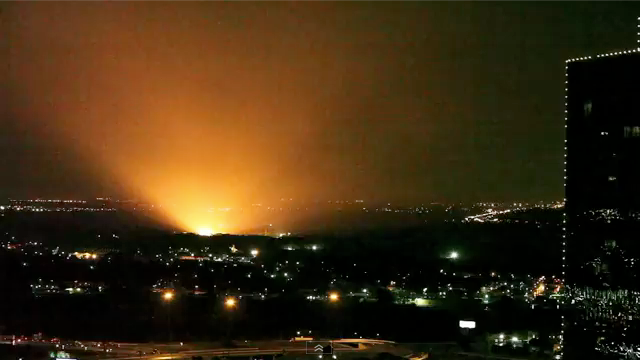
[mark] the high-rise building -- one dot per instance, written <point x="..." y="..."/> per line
<point x="601" y="238"/>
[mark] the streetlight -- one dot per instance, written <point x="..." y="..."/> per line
<point x="230" y="302"/>
<point x="168" y="297"/>
<point x="255" y="252"/>
<point x="334" y="297"/>
<point x="453" y="255"/>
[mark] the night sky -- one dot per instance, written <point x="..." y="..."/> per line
<point x="231" y="103"/>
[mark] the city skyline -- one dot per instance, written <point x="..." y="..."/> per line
<point x="402" y="180"/>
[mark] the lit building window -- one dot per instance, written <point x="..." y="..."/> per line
<point x="627" y="131"/>
<point x="635" y="132"/>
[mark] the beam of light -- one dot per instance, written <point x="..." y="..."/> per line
<point x="175" y="124"/>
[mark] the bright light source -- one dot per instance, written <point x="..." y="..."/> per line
<point x="168" y="295"/>
<point x="204" y="232"/>
<point x="230" y="302"/>
<point x="255" y="252"/>
<point x="453" y="255"/>
<point x="514" y="339"/>
<point x="314" y="247"/>
<point x="334" y="297"/>
<point x="467" y="324"/>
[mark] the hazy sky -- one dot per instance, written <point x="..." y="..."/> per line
<point x="227" y="103"/>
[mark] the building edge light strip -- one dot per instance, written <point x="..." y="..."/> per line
<point x="564" y="210"/>
<point x="615" y="53"/>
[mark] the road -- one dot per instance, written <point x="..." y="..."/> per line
<point x="131" y="351"/>
<point x="266" y="348"/>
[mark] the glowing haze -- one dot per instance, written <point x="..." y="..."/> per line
<point x="176" y="106"/>
<point x="200" y="105"/>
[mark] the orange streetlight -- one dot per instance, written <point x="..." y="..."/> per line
<point x="230" y="302"/>
<point x="334" y="297"/>
<point x="168" y="296"/>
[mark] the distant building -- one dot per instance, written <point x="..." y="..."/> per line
<point x="601" y="239"/>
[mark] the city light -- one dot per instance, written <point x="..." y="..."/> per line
<point x="255" y="252"/>
<point x="334" y="297"/>
<point x="230" y="302"/>
<point x="86" y="255"/>
<point x="168" y="295"/>
<point x="453" y="255"/>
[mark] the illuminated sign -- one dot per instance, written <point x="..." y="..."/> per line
<point x="467" y="324"/>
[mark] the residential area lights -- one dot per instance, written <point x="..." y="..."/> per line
<point x="453" y="255"/>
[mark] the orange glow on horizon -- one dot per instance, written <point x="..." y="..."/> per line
<point x="190" y="120"/>
<point x="140" y="124"/>
<point x="204" y="231"/>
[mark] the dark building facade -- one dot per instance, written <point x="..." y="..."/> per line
<point x="601" y="257"/>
